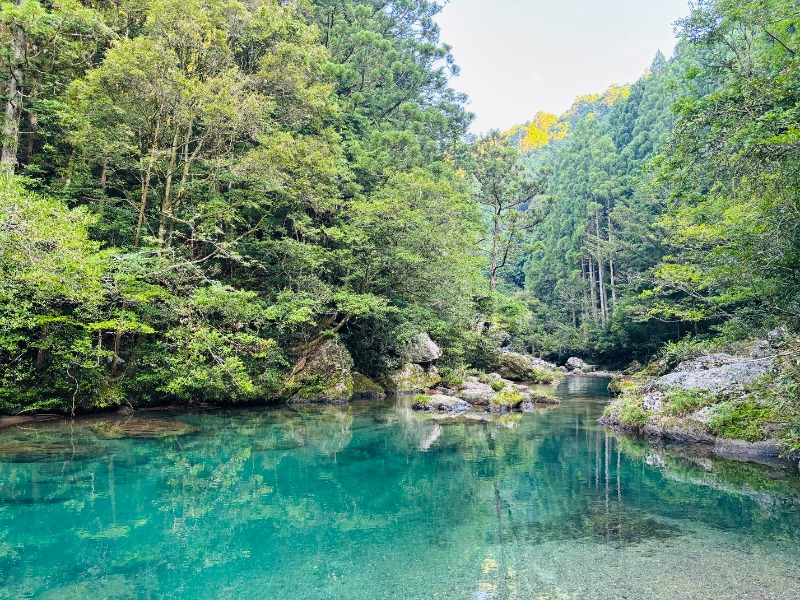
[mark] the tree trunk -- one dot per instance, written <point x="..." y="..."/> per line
<point x="146" y="186"/>
<point x="495" y="251"/>
<point x="16" y="80"/>
<point x="104" y="175"/>
<point x="593" y="289"/>
<point x="601" y="284"/>
<point x="611" y="273"/>
<point x="165" y="208"/>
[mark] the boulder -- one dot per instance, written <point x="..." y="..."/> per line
<point x="577" y="366"/>
<point x="530" y="399"/>
<point x="476" y="393"/>
<point x="326" y="376"/>
<point x="715" y="374"/>
<point x="521" y="367"/>
<point x="365" y="388"/>
<point x="412" y="378"/>
<point x="735" y="449"/>
<point x="775" y="342"/>
<point x="441" y="403"/>
<point x="421" y="349"/>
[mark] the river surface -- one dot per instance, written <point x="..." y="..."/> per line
<point x="374" y="501"/>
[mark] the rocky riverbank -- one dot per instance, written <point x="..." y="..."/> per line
<point x="732" y="403"/>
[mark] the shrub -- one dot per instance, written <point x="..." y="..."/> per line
<point x="506" y="397"/>
<point x="628" y="408"/>
<point x="497" y="385"/>
<point x="453" y="378"/>
<point x="634" y="415"/>
<point x="421" y="399"/>
<point x="543" y="375"/>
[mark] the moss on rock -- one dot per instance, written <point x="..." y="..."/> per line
<point x="326" y="376"/>
<point x="365" y="388"/>
<point x="412" y="378"/>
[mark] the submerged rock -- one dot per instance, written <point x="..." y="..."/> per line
<point x="421" y="349"/>
<point x="442" y="403"/>
<point x="23" y="451"/>
<point x="326" y="376"/>
<point x="143" y="428"/>
<point x="412" y="378"/>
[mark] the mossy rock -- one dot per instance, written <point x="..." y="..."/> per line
<point x="531" y="399"/>
<point x="365" y="388"/>
<point x="326" y="376"/>
<point x="626" y="412"/>
<point x="412" y="378"/>
<point x="505" y="400"/>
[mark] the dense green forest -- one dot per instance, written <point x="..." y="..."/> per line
<point x="673" y="207"/>
<point x="198" y="194"/>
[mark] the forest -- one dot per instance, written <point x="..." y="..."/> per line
<point x="197" y="195"/>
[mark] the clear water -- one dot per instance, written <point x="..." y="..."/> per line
<point x="375" y="501"/>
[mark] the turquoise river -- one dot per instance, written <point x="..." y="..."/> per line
<point x="373" y="500"/>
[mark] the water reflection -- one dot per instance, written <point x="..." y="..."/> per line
<point x="374" y="500"/>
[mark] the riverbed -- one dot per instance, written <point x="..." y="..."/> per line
<point x="373" y="500"/>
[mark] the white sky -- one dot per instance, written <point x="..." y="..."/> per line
<point x="521" y="56"/>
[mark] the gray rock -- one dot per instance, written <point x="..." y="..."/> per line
<point x="421" y="349"/>
<point x="776" y="340"/>
<point x="520" y="367"/>
<point x="442" y="403"/>
<point x="576" y="365"/>
<point x="741" y="449"/>
<point x="412" y="378"/>
<point x="683" y="434"/>
<point x="326" y="375"/>
<point x="715" y="374"/>
<point x="479" y="394"/>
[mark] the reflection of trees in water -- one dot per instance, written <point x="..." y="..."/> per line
<point x="249" y="483"/>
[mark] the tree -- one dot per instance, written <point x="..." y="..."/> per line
<point x="513" y="198"/>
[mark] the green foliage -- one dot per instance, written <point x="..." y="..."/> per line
<point x="497" y="385"/>
<point x="507" y="396"/>
<point x="682" y="402"/>
<point x="248" y="179"/>
<point x="619" y="384"/>
<point x="543" y="375"/>
<point x="743" y="419"/>
<point x="52" y="301"/>
<point x="421" y="399"/>
<point x="452" y="378"/>
<point x="628" y="410"/>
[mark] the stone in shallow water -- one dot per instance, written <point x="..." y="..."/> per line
<point x="442" y="403"/>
